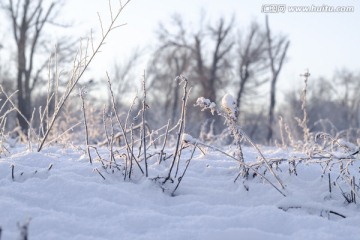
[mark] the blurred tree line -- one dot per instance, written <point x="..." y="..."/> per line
<point x="333" y="105"/>
<point x="217" y="57"/>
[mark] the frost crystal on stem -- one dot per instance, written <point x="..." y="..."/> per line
<point x="228" y="111"/>
<point x="205" y="103"/>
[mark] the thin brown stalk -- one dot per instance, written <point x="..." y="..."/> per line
<point x="186" y="167"/>
<point x="8" y="98"/>
<point x="132" y="149"/>
<point x="164" y="143"/>
<point x="177" y="152"/>
<point x="264" y="159"/>
<point x="111" y="143"/>
<point x="97" y="170"/>
<point x="243" y="164"/>
<point x="85" y="125"/>
<point x="12" y="172"/>
<point x="303" y="123"/>
<point x="62" y="134"/>
<point x="144" y="107"/>
<point x="114" y="107"/>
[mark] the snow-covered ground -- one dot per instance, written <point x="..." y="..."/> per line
<point x="72" y="201"/>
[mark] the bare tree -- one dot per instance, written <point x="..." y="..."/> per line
<point x="276" y="49"/>
<point x="347" y="90"/>
<point x="186" y="51"/>
<point x="166" y="65"/>
<point x="123" y="76"/>
<point x="333" y="106"/>
<point x="28" y="21"/>
<point x="222" y="46"/>
<point x="252" y="61"/>
<point x="206" y="53"/>
<point x="171" y="58"/>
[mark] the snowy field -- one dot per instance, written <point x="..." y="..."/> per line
<point x="59" y="182"/>
<point x="72" y="201"/>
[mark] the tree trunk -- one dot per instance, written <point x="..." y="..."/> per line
<point x="24" y="104"/>
<point x="175" y="99"/>
<point x="25" y="109"/>
<point x="277" y="53"/>
<point x="28" y="19"/>
<point x="271" y="109"/>
<point x="243" y="80"/>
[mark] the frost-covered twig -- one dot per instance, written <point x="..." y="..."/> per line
<point x="130" y="154"/>
<point x="13" y="105"/>
<point x="102" y="176"/>
<point x="188" y="139"/>
<point x="79" y="69"/>
<point x="144" y="107"/>
<point x="229" y="112"/>
<point x="164" y="143"/>
<point x="132" y="150"/>
<point x="319" y="210"/>
<point x="303" y="122"/>
<point x="186" y="167"/>
<point x="85" y="125"/>
<point x="263" y="158"/>
<point x="177" y="152"/>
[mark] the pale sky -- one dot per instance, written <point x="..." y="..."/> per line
<point x="322" y="42"/>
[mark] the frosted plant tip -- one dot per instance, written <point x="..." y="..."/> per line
<point x="201" y="101"/>
<point x="187" y="138"/>
<point x="228" y="103"/>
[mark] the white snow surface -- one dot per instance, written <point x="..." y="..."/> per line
<point x="71" y="201"/>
